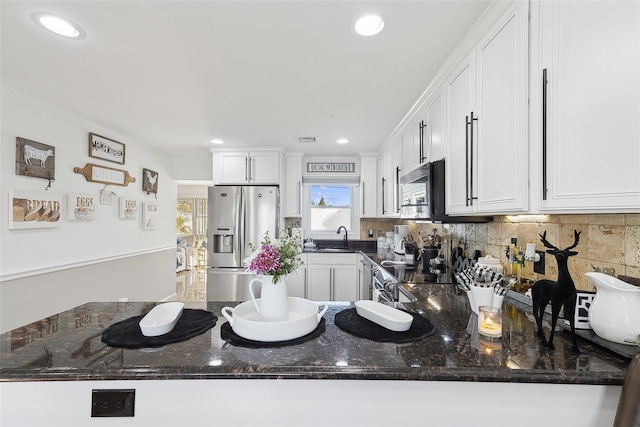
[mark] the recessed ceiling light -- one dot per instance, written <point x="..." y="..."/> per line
<point x="342" y="141"/>
<point x="369" y="25"/>
<point x="58" y="25"/>
<point x="216" y="141"/>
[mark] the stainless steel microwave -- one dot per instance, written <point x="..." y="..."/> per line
<point x="422" y="193"/>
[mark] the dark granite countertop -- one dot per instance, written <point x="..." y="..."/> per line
<point x="68" y="346"/>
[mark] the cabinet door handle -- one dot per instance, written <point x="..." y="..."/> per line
<point x="423" y="126"/>
<point x="333" y="284"/>
<point x="544" y="134"/>
<point x="398" y="189"/>
<point x="246" y="168"/>
<point x="363" y="193"/>
<point x="383" y="211"/>
<point x="466" y="159"/>
<point x="472" y="198"/>
<point x="250" y="173"/>
<point x="306" y="283"/>
<point x="468" y="147"/>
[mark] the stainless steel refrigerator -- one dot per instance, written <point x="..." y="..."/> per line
<point x="237" y="215"/>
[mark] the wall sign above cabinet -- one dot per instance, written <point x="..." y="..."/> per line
<point x="341" y="167"/>
<point x="105" y="175"/>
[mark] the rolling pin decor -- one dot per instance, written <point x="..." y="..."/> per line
<point x="105" y="175"/>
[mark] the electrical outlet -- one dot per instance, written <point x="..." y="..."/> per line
<point x="538" y="267"/>
<point x="113" y="403"/>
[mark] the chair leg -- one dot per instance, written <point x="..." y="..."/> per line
<point x="628" y="412"/>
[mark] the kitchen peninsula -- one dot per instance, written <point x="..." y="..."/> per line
<point x="450" y="378"/>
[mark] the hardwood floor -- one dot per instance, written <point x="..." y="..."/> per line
<point x="191" y="285"/>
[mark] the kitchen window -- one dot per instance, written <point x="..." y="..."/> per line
<point x="329" y="207"/>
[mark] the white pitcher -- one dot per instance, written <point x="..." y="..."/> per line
<point x="272" y="306"/>
<point x="615" y="311"/>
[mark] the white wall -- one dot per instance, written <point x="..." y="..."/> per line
<point x="30" y="252"/>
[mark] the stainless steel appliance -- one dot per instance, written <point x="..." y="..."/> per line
<point x="238" y="215"/>
<point x="423" y="196"/>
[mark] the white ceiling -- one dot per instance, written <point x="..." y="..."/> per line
<point x="176" y="74"/>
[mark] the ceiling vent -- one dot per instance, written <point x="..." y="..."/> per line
<point x="307" y="139"/>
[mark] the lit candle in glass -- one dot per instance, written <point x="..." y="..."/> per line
<point x="490" y="322"/>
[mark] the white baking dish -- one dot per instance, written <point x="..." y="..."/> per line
<point x="161" y="319"/>
<point x="303" y="319"/>
<point x="384" y="315"/>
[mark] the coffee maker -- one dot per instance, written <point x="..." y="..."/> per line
<point x="400" y="233"/>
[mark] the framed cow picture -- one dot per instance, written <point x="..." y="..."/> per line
<point x="35" y="159"/>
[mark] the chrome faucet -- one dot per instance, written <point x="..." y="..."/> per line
<point x="346" y="242"/>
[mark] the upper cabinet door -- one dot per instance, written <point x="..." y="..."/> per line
<point x="487" y="147"/>
<point x="501" y="183"/>
<point x="264" y="167"/>
<point x="293" y="186"/>
<point x="460" y="92"/>
<point x="261" y="167"/>
<point x="368" y="186"/>
<point x="433" y="131"/>
<point x="231" y="168"/>
<point x="590" y="59"/>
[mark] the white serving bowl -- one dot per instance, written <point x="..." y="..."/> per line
<point x="384" y="315"/>
<point x="303" y="319"/>
<point x="161" y="319"/>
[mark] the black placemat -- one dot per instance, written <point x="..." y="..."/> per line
<point x="227" y="334"/>
<point x="127" y="333"/>
<point x="350" y="321"/>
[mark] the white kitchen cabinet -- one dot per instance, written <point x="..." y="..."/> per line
<point x="588" y="129"/>
<point x="258" y="167"/>
<point x="297" y="280"/>
<point x="431" y="133"/>
<point x="368" y="185"/>
<point x="385" y="183"/>
<point x="460" y="93"/>
<point x="397" y="173"/>
<point x="411" y="137"/>
<point x="423" y="135"/>
<point x="293" y="186"/>
<point x="332" y="277"/>
<point x="487" y="161"/>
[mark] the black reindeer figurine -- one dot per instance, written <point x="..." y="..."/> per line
<point x="561" y="293"/>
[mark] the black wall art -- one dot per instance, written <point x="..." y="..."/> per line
<point x="149" y="181"/>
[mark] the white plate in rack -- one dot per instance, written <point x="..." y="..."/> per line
<point x="304" y="316"/>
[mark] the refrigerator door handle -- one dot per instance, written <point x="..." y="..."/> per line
<point x="238" y="238"/>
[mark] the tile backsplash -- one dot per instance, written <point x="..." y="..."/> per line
<point x="608" y="242"/>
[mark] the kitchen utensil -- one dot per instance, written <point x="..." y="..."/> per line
<point x="490" y="262"/>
